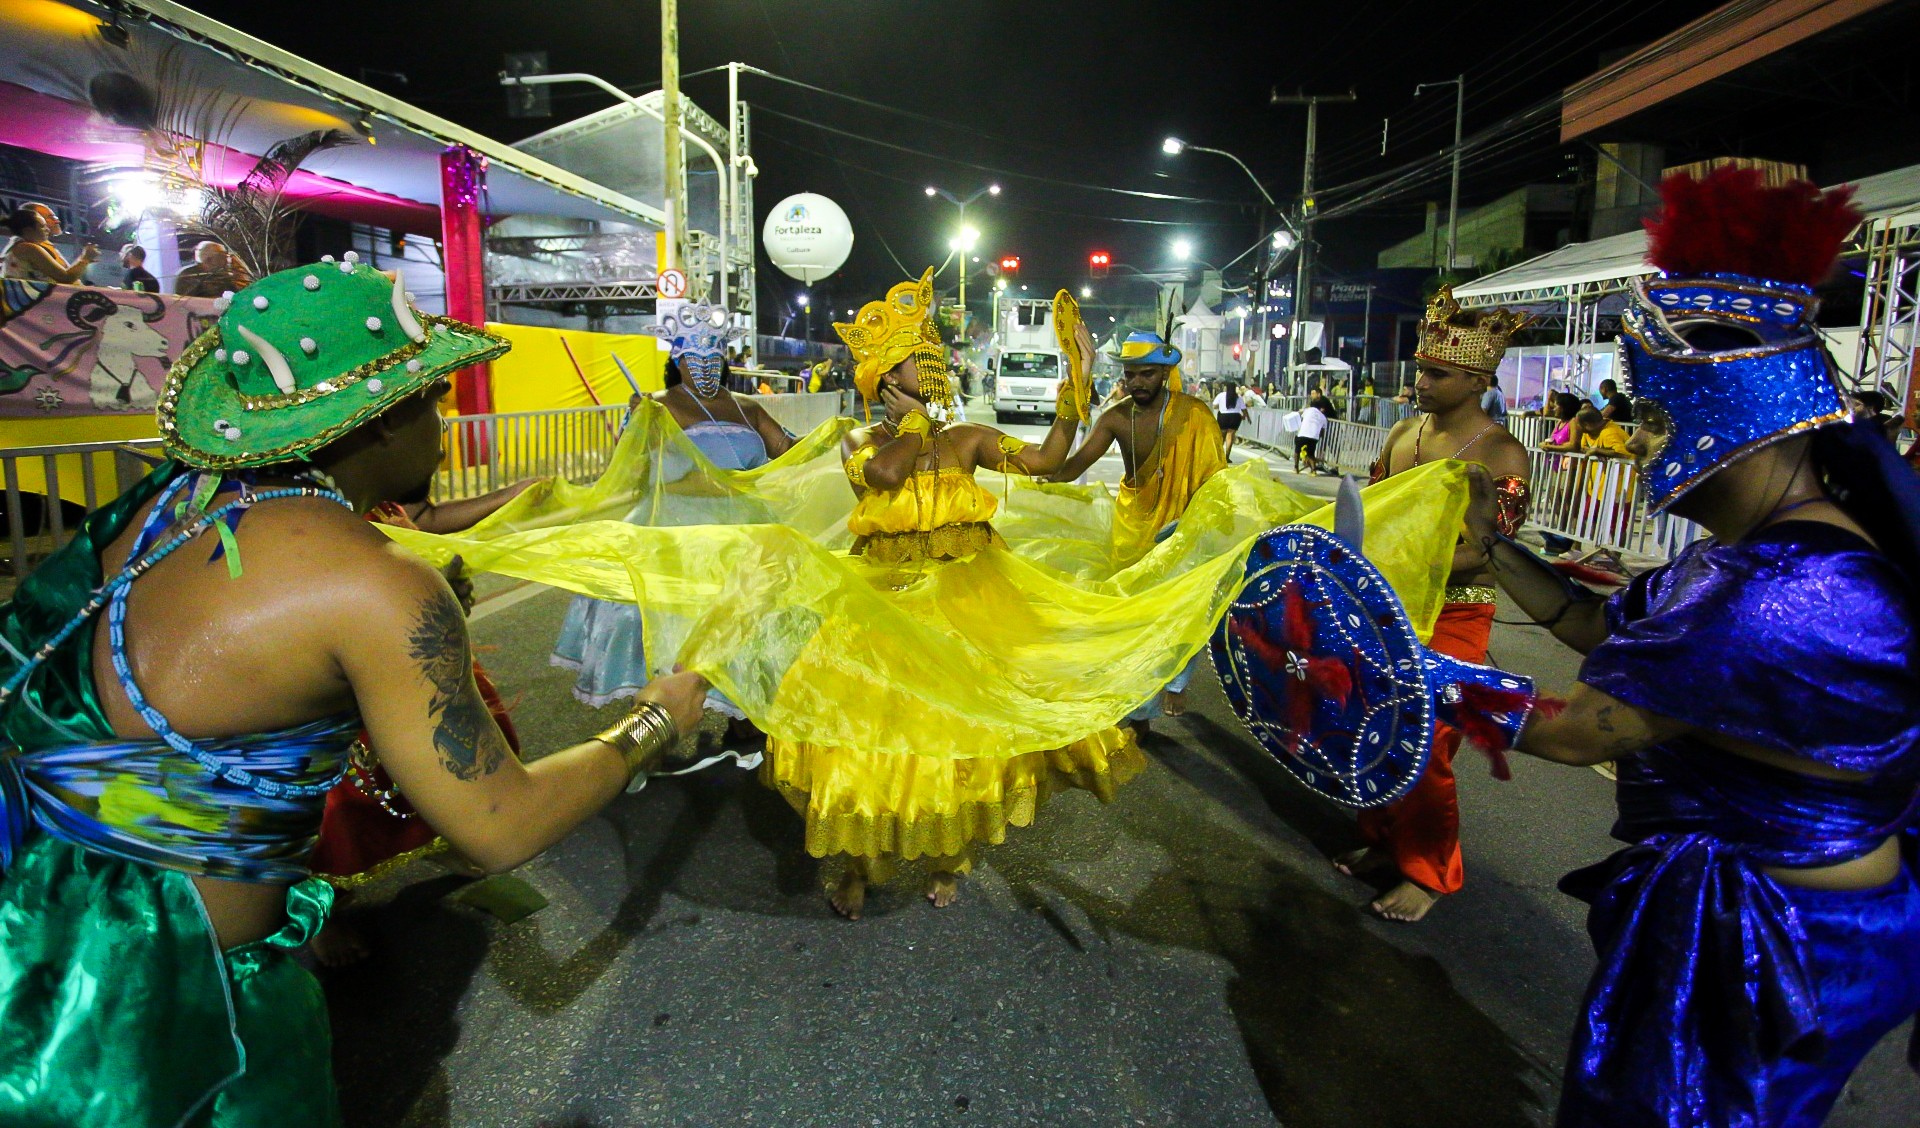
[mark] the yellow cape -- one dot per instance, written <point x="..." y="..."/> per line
<point x="1015" y="649"/>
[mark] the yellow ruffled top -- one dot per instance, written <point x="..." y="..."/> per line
<point x="937" y="515"/>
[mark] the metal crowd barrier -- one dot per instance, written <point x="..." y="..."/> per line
<point x="1598" y="502"/>
<point x="486" y="452"/>
<point x="38" y="522"/>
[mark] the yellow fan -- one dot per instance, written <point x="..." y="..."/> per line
<point x="1076" y="395"/>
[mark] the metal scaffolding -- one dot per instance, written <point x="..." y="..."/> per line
<point x="1890" y="313"/>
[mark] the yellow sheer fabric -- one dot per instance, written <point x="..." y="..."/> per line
<point x="1022" y="648"/>
<point x="1188" y="452"/>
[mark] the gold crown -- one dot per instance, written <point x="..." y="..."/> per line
<point x="889" y="331"/>
<point x="1473" y="340"/>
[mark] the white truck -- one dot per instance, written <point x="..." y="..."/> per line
<point x="1029" y="367"/>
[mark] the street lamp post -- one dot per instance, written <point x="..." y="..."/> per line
<point x="1303" y="267"/>
<point x="806" y="306"/>
<point x="1174" y="146"/>
<point x="1453" y="195"/>
<point x="965" y="241"/>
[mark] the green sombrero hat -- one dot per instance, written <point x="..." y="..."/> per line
<point x="302" y="357"/>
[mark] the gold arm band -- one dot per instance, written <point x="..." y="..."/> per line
<point x="643" y="737"/>
<point x="857" y="465"/>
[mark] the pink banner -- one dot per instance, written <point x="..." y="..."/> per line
<point x="89" y="350"/>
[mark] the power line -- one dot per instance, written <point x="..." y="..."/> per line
<point x="1135" y="193"/>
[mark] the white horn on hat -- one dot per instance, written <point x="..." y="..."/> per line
<point x="276" y="364"/>
<point x="402" y="315"/>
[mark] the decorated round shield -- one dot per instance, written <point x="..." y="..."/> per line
<point x="1320" y="661"/>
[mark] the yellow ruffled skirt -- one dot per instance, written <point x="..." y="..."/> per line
<point x="883" y="806"/>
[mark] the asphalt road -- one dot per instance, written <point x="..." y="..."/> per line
<point x="1183" y="956"/>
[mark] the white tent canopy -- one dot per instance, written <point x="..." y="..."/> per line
<point x="1887" y="197"/>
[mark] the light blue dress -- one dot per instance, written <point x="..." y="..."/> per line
<point x="604" y="641"/>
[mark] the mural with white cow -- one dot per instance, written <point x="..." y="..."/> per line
<point x="81" y="350"/>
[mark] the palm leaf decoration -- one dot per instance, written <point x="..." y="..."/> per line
<point x="250" y="218"/>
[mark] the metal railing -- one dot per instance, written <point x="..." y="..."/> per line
<point x="1598" y="501"/>
<point x="37" y="520"/>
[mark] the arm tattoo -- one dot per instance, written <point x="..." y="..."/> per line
<point x="1602" y="719"/>
<point x="469" y="743"/>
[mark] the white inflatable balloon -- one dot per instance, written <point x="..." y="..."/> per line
<point x="807" y="236"/>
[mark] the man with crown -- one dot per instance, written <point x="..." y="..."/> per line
<point x="182" y="682"/>
<point x="918" y="509"/>
<point x="1760" y="931"/>
<point x="1459" y="353"/>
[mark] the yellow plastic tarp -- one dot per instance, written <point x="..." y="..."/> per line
<point x="744" y="576"/>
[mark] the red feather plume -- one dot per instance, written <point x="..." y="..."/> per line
<point x="1730" y="222"/>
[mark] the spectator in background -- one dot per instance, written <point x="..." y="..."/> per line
<point x="1559" y="490"/>
<point x="1229" y="408"/>
<point x="1871" y="407"/>
<point x="1313" y="423"/>
<point x="1600" y="436"/>
<point x="1407" y="393"/>
<point x="30" y="254"/>
<point x="1618" y="408"/>
<point x="214" y="272"/>
<point x="1494" y="402"/>
<point x="134" y="258"/>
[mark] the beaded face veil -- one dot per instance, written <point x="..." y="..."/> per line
<point x="698" y="336"/>
<point x="1722" y="341"/>
<point x="889" y="331"/>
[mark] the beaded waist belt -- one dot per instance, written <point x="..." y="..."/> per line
<point x="1472" y="593"/>
<point x="948" y="542"/>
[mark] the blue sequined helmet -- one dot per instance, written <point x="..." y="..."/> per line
<point x="698" y="336"/>
<point x="1723" y="404"/>
<point x="1722" y="342"/>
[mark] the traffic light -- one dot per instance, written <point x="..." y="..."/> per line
<point x="1010" y="265"/>
<point x="1097" y="263"/>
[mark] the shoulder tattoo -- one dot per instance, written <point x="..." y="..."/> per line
<point x="464" y="735"/>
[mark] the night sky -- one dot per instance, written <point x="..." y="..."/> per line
<point x="1071" y="92"/>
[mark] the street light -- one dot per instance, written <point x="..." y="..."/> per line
<point x="1086" y="291"/>
<point x="1283" y="241"/>
<point x="968" y="236"/>
<point x="1173" y="146"/>
<point x="1183" y="249"/>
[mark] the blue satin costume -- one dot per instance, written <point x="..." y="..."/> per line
<point x="117" y="1005"/>
<point x="1725" y="997"/>
<point x="604" y="641"/>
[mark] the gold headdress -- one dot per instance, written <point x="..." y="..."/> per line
<point x="1472" y="340"/>
<point x="887" y="332"/>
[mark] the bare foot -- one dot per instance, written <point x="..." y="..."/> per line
<point x="1173" y="704"/>
<point x="339" y="944"/>
<point x="943" y="888"/>
<point x="850" y="896"/>
<point x="1405" y="902"/>
<point x="1359" y="863"/>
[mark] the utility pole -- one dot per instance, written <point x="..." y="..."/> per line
<point x="1453" y="197"/>
<point x="670" y="134"/>
<point x="1303" y="273"/>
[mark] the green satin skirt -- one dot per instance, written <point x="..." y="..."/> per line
<point x="117" y="1007"/>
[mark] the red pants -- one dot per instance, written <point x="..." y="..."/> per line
<point x="1422" y="831"/>
<point x="357" y="834"/>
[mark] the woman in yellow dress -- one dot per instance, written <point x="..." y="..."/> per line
<point x="920" y="507"/>
<point x="925" y="684"/>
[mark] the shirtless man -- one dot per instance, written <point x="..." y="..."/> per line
<point x="169" y="815"/>
<point x="1170" y="444"/>
<point x="1419" y="836"/>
